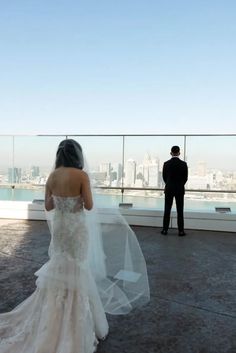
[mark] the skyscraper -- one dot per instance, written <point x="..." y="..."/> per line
<point x="130" y="172"/>
<point x="35" y="172"/>
<point x="14" y="175"/>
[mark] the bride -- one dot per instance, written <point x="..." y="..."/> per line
<point x="95" y="267"/>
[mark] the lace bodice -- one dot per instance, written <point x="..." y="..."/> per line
<point x="68" y="204"/>
<point x="68" y="228"/>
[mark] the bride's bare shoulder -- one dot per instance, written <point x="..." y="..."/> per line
<point x="83" y="176"/>
<point x="78" y="172"/>
<point x="68" y="173"/>
<point x="72" y="173"/>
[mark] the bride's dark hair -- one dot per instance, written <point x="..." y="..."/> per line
<point x="69" y="154"/>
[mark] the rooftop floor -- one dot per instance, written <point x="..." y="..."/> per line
<point x="192" y="283"/>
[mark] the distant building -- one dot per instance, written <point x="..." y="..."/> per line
<point x="98" y="178"/>
<point x="201" y="168"/>
<point x="14" y="175"/>
<point x="105" y="168"/>
<point x="198" y="182"/>
<point x="139" y="176"/>
<point x="150" y="171"/>
<point x="35" y="171"/>
<point x="146" y="162"/>
<point x="130" y="172"/>
<point x="116" y="174"/>
<point x="153" y="174"/>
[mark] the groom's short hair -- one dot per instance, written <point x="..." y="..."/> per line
<point x="175" y="149"/>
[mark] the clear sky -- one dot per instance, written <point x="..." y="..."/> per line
<point x="117" y="66"/>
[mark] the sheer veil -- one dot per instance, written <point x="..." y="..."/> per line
<point x="115" y="258"/>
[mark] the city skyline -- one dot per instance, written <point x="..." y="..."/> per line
<point x="138" y="175"/>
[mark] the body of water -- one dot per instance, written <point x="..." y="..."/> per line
<point x="108" y="200"/>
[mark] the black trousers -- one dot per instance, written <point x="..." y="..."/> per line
<point x="179" y="200"/>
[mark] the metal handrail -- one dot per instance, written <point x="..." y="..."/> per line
<point x="161" y="189"/>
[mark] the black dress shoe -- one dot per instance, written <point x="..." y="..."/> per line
<point x="164" y="232"/>
<point x="181" y="234"/>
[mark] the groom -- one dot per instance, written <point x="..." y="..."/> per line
<point x="175" y="175"/>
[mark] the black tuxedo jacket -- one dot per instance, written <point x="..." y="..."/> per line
<point x="175" y="175"/>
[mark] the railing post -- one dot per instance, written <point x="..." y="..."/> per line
<point x="123" y="168"/>
<point x="185" y="143"/>
<point x="13" y="168"/>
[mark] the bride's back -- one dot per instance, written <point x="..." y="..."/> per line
<point x="66" y="182"/>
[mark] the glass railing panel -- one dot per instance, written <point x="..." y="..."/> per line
<point x="104" y="155"/>
<point x="144" y="158"/>
<point x="22" y="193"/>
<point x="193" y="202"/>
<point x="211" y="162"/>
<point x="33" y="160"/>
<point x="6" y="162"/>
<point x="26" y="162"/>
<point x="210" y="165"/>
<point x="209" y="202"/>
<point x="106" y="198"/>
<point x="145" y="199"/>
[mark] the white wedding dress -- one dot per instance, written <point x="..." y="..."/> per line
<point x="66" y="313"/>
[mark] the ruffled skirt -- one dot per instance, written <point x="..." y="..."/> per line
<point x="63" y="315"/>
